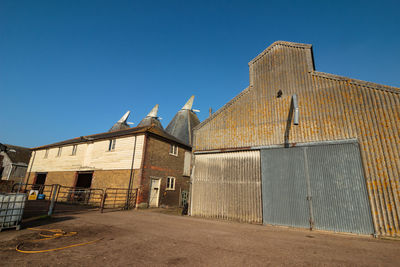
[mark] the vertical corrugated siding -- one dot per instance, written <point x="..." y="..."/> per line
<point x="338" y="189"/>
<point x="330" y="175"/>
<point x="331" y="108"/>
<point x="227" y="186"/>
<point x="284" y="187"/>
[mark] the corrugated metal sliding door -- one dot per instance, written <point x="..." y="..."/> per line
<point x="338" y="189"/>
<point x="227" y="186"/>
<point x="284" y="187"/>
<point x="317" y="186"/>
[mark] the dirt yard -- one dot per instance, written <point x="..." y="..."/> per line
<point x="140" y="238"/>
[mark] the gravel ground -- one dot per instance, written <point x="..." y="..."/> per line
<point x="140" y="238"/>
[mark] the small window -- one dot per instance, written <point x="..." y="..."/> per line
<point x="59" y="152"/>
<point x="170" y="183"/>
<point x="46" y="153"/>
<point x="173" y="150"/>
<point x="111" y="145"/>
<point x="74" y="147"/>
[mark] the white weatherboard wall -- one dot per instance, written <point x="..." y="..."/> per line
<point x="91" y="156"/>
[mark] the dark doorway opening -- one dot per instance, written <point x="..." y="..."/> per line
<point x="84" y="180"/>
<point x="40" y="178"/>
<point x="39" y="182"/>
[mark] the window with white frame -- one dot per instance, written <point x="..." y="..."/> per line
<point x="46" y="153"/>
<point x="170" y="183"/>
<point x="173" y="150"/>
<point x="59" y="152"/>
<point x="111" y="145"/>
<point x="74" y="147"/>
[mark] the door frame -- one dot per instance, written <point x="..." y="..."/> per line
<point x="36" y="174"/>
<point x="152" y="179"/>
<point x="83" y="172"/>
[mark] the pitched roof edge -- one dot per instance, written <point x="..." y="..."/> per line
<point x="108" y="135"/>
<point x="18" y="147"/>
<point x="227" y="105"/>
<point x="84" y="138"/>
<point x="371" y="85"/>
<point x="284" y="43"/>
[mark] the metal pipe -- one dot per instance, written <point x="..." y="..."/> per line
<point x="144" y="151"/>
<point x="30" y="169"/>
<point x="295" y="109"/>
<point x="55" y="190"/>
<point x="132" y="174"/>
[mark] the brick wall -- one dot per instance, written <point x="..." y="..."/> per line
<point x="101" y="178"/>
<point x="159" y="163"/>
<point x="114" y="179"/>
<point x="62" y="178"/>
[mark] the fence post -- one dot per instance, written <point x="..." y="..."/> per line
<point x="53" y="199"/>
<point x="137" y="198"/>
<point x="103" y="201"/>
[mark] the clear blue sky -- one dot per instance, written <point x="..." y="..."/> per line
<point x="72" y="68"/>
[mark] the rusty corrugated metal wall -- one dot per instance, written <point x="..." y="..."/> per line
<point x="227" y="186"/>
<point x="331" y="108"/>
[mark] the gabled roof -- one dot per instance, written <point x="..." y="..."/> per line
<point x="283" y="43"/>
<point x="311" y="71"/>
<point x="18" y="154"/>
<point x="153" y="130"/>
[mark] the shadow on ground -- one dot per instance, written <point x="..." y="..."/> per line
<point x="44" y="220"/>
<point x="170" y="211"/>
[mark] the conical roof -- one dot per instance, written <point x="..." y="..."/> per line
<point x="121" y="124"/>
<point x="181" y="126"/>
<point x="151" y="119"/>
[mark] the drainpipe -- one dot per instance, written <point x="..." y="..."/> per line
<point x="30" y="170"/>
<point x="293" y="115"/>
<point x="144" y="151"/>
<point x="131" y="176"/>
<point x="295" y="109"/>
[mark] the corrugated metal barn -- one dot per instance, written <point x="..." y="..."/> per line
<point x="301" y="148"/>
